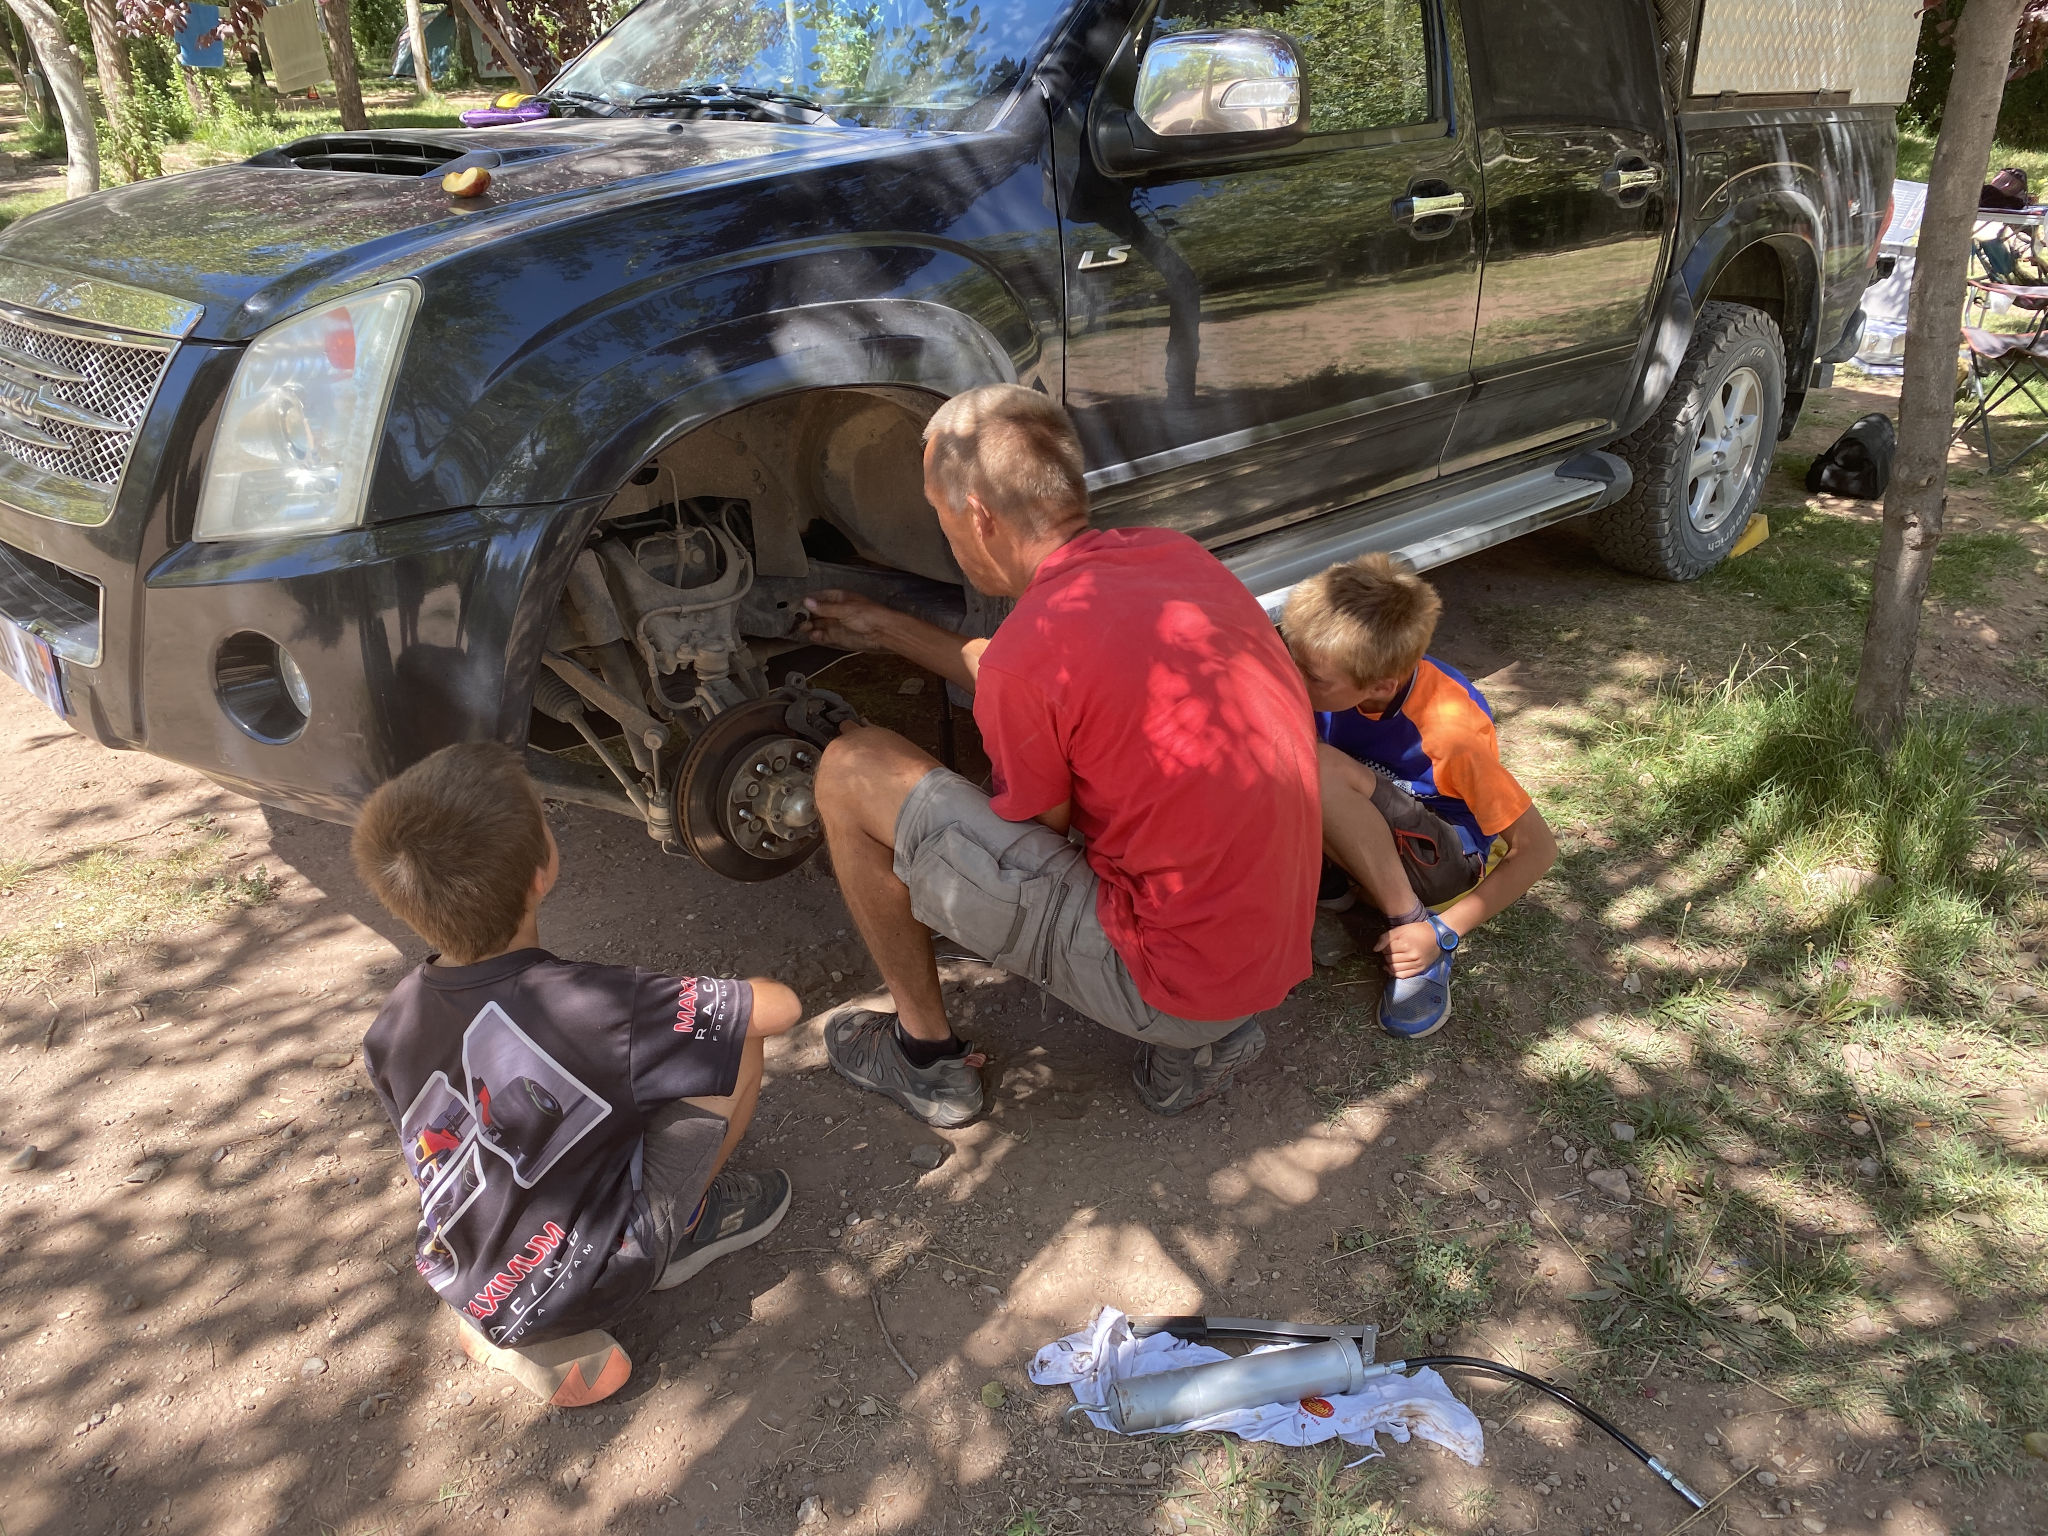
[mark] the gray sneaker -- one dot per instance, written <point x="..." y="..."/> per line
<point x="1171" y="1078"/>
<point x="861" y="1045"/>
<point x="739" y="1210"/>
<point x="1330" y="941"/>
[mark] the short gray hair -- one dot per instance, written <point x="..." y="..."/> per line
<point x="1012" y="449"/>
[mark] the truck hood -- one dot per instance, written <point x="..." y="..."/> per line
<point x="254" y="242"/>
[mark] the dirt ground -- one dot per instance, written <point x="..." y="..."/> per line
<point x="208" y="1321"/>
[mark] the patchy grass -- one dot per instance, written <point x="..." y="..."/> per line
<point x="1816" y="569"/>
<point x="22" y="204"/>
<point x="1793" y="836"/>
<point x="1260" y="1491"/>
<point x="113" y="897"/>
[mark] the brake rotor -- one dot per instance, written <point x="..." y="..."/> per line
<point x="745" y="799"/>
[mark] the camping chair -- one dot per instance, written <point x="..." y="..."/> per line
<point x="2004" y="368"/>
<point x="2006" y="245"/>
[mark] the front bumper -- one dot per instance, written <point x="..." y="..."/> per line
<point x="410" y="635"/>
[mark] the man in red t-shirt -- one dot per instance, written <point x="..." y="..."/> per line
<point x="1151" y="850"/>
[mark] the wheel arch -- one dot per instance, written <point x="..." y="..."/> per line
<point x="593" y="439"/>
<point x="1765" y="252"/>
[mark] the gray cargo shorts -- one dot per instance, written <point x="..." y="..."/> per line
<point x="1022" y="897"/>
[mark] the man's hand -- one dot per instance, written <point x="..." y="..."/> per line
<point x="847" y="620"/>
<point x="1410" y="949"/>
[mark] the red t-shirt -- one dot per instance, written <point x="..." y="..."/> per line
<point x="1138" y="679"/>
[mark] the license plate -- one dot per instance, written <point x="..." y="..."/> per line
<point x="30" y="662"/>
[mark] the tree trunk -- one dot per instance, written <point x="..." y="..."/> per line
<point x="110" y="56"/>
<point x="17" y="51"/>
<point x="422" y="66"/>
<point x="341" y="52"/>
<point x="494" y="34"/>
<point x="465" y="46"/>
<point x="67" y="83"/>
<point x="1918" y="496"/>
<point x="195" y="94"/>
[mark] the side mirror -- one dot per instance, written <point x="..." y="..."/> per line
<point x="1202" y="83"/>
<point x="1205" y="94"/>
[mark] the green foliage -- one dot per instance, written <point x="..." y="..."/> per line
<point x="2022" y="115"/>
<point x="375" y="25"/>
<point x="1969" y="1410"/>
<point x="1444" y="1282"/>
<point x="158" y="115"/>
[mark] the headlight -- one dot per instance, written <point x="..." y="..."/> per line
<point x="298" y="436"/>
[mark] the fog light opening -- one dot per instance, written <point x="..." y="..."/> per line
<point x="261" y="688"/>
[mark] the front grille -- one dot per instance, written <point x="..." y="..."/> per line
<point x="71" y="404"/>
<point x="45" y="599"/>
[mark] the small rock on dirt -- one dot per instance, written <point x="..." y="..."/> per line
<point x="1841" y="882"/>
<point x="22" y="1161"/>
<point x="868" y="1408"/>
<point x="928" y="1154"/>
<point x="129" y="1302"/>
<point x="811" y="1511"/>
<point x="1868" y="1167"/>
<point x="148" y="1171"/>
<point x="2036" y="1444"/>
<point x="312" y="1366"/>
<point x="1632" y="983"/>
<point x="333" y="1061"/>
<point x="993" y="1395"/>
<point x="1611" y="1182"/>
<point x="1767" y="1479"/>
<point x="1150" y="1469"/>
<point x="1621" y="1130"/>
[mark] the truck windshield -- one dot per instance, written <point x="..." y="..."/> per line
<point x="932" y="64"/>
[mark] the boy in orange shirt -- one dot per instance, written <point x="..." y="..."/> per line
<point x="1418" y="811"/>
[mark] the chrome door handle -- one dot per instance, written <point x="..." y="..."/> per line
<point x="1620" y="183"/>
<point x="1413" y="210"/>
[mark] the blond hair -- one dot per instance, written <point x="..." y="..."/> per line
<point x="1373" y="617"/>
<point x="451" y="846"/>
<point x="1013" y="450"/>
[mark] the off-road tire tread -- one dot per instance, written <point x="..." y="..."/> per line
<point x="1640" y="533"/>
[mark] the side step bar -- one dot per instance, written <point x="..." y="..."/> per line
<point x="1428" y="527"/>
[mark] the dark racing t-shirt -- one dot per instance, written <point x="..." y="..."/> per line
<point x="521" y="1088"/>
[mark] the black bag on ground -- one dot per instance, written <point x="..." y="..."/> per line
<point x="1858" y="464"/>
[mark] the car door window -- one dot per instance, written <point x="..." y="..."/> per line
<point x="1562" y="61"/>
<point x="1366" y="61"/>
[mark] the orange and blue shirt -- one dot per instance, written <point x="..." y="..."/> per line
<point x="1436" y="740"/>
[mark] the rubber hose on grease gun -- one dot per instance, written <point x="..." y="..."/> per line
<point x="1329" y="1368"/>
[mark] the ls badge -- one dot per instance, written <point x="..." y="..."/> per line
<point x="1115" y="256"/>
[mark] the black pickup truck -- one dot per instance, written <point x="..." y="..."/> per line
<point x="309" y="466"/>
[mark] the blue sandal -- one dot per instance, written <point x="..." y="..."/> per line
<point x="1413" y="1006"/>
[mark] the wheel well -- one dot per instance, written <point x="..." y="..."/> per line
<point x="849" y="457"/>
<point x="1755" y="277"/>
<point x="1775" y="275"/>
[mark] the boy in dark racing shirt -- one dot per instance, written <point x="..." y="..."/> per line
<point x="566" y="1124"/>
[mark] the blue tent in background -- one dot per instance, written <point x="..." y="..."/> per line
<point x="441" y="49"/>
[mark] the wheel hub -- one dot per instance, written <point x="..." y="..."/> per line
<point x="744" y="797"/>
<point x="770" y="809"/>
<point x="1725" y="450"/>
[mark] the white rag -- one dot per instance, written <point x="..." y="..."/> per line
<point x="1105" y="1352"/>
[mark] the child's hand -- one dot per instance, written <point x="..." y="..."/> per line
<point x="1410" y="949"/>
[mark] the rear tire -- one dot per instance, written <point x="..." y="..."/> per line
<point x="1701" y="460"/>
